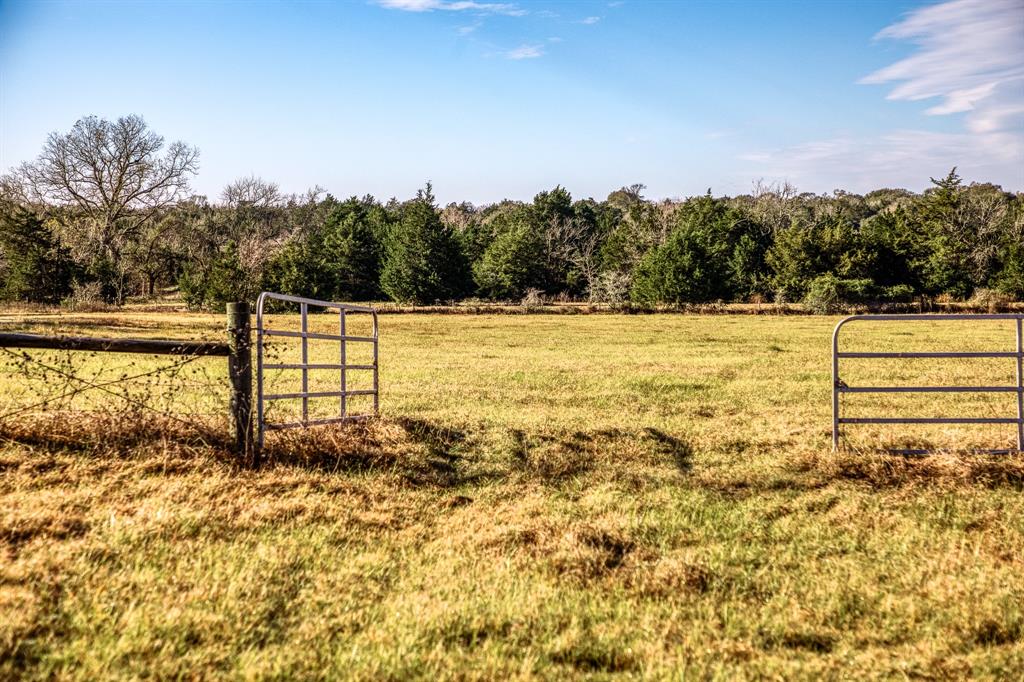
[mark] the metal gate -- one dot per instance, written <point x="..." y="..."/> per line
<point x="342" y="366"/>
<point x="839" y="387"/>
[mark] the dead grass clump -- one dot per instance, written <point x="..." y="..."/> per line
<point x="578" y="550"/>
<point x="991" y="632"/>
<point x="602" y="553"/>
<point x="132" y="434"/>
<point x="818" y="642"/>
<point x="551" y="458"/>
<point x="587" y="551"/>
<point x="418" y="452"/>
<point x="667" y="577"/>
<point x="24" y="529"/>
<point x="589" y="655"/>
<point x="940" y="469"/>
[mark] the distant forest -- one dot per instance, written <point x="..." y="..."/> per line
<point x="105" y="213"/>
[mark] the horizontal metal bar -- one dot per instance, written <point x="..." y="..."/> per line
<point x="313" y="301"/>
<point x="317" y="366"/>
<point x="314" y="335"/>
<point x="937" y="354"/>
<point x="86" y="343"/>
<point x="317" y="394"/>
<point x="918" y="451"/>
<point x="939" y="317"/>
<point x="315" y="422"/>
<point x="928" y="420"/>
<point x="928" y="389"/>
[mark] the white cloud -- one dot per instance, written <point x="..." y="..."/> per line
<point x="900" y="158"/>
<point x="970" y="55"/>
<point x="469" y="28"/>
<point x="525" y="52"/>
<point x="590" y="21"/>
<point x="970" y="58"/>
<point x="507" y="9"/>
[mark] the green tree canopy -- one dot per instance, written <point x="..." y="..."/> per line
<point x="423" y="261"/>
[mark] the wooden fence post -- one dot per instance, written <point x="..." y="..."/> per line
<point x="240" y="372"/>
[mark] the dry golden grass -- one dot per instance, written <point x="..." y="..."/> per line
<point x="553" y="497"/>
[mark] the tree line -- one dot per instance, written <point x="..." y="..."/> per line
<point x="106" y="212"/>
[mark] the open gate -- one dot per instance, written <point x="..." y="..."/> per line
<point x="342" y="366"/>
<point x="839" y="387"/>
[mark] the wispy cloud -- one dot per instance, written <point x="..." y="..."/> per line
<point x="469" y="28"/>
<point x="525" y="52"/>
<point x="590" y="21"/>
<point x="505" y="8"/>
<point x="970" y="56"/>
<point x="901" y="158"/>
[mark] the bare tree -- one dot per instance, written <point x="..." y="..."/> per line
<point x="572" y="242"/>
<point x="253" y="192"/>
<point x="114" y="174"/>
<point x="773" y="205"/>
<point x="980" y="224"/>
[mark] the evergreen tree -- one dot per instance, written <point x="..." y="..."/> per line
<point x="36" y="267"/>
<point x="513" y="263"/>
<point x="692" y="266"/>
<point x="339" y="260"/>
<point x="945" y="265"/>
<point x="423" y="261"/>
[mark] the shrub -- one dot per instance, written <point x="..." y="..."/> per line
<point x="858" y="291"/>
<point x="534" y="298"/>
<point x="691" y="267"/>
<point x="610" y="287"/>
<point x="990" y="300"/>
<point x="512" y="262"/>
<point x="824" y="295"/>
<point x="900" y="293"/>
<point x="86" y="297"/>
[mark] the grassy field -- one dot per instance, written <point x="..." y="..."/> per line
<point x="543" y="496"/>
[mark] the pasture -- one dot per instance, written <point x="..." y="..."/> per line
<point x="551" y="496"/>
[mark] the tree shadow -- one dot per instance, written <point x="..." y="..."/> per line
<point x="680" y="451"/>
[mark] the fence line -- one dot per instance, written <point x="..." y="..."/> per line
<point x="237" y="350"/>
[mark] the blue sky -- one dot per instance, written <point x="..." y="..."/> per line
<point x="492" y="100"/>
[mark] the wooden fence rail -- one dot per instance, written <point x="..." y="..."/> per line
<point x="237" y="349"/>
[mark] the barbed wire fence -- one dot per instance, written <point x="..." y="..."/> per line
<point x="133" y="384"/>
<point x="66" y="381"/>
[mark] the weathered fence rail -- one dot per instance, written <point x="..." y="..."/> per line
<point x="237" y="349"/>
<point x="89" y="343"/>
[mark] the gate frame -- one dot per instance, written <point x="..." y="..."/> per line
<point x="839" y="387"/>
<point x="262" y="426"/>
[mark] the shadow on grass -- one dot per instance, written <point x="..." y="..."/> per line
<point x="557" y="457"/>
<point x="888" y="470"/>
<point x="680" y="450"/>
<point x="420" y="452"/>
